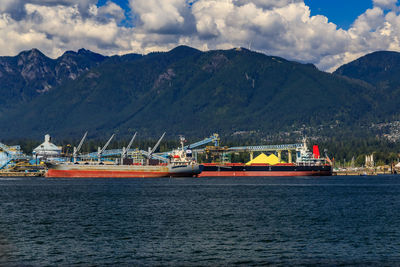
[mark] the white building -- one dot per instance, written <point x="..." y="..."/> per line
<point x="47" y="149"/>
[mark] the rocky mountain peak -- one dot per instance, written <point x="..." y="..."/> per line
<point x="31" y="54"/>
<point x="31" y="73"/>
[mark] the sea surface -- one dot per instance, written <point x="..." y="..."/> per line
<point x="200" y="221"/>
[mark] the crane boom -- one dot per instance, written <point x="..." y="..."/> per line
<point x="155" y="156"/>
<point x="213" y="138"/>
<point x="131" y="142"/>
<point x="106" y="145"/>
<point x="124" y="153"/>
<point x="81" y="142"/>
<point x="155" y="147"/>
<point x="76" y="149"/>
<point x="100" y="151"/>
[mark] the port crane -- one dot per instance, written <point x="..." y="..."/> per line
<point x="149" y="153"/>
<point x="214" y="138"/>
<point x="109" y="152"/>
<point x="125" y="150"/>
<point x="123" y="153"/>
<point x="101" y="150"/>
<point x="77" y="149"/>
<point x="159" y="156"/>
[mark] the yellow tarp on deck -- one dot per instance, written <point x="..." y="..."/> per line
<point x="264" y="159"/>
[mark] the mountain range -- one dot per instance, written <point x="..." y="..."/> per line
<point x="187" y="91"/>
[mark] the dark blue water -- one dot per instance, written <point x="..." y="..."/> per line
<point x="221" y="221"/>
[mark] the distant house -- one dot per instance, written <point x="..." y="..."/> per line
<point x="47" y="149"/>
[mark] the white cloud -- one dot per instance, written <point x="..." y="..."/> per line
<point x="164" y="17"/>
<point x="16" y="8"/>
<point x="287" y="31"/>
<point x="267" y="4"/>
<point x="276" y="27"/>
<point x="54" y="29"/>
<point x="110" y="11"/>
<point x="385" y="4"/>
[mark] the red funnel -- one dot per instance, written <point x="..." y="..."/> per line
<point x="316" y="152"/>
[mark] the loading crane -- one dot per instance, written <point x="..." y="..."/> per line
<point x="214" y="138"/>
<point x="76" y="150"/>
<point x="150" y="153"/>
<point x="125" y="150"/>
<point x="101" y="150"/>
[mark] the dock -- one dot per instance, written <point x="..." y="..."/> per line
<point x="21" y="174"/>
<point x="364" y="172"/>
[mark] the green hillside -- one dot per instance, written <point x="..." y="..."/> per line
<point x="380" y="69"/>
<point x="195" y="93"/>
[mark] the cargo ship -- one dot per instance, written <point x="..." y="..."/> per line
<point x="240" y="169"/>
<point x="307" y="164"/>
<point x="179" y="164"/>
<point x="73" y="170"/>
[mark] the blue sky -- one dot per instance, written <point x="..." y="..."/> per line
<point x="125" y="5"/>
<point x="341" y="12"/>
<point x="336" y="32"/>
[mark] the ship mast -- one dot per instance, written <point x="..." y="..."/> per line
<point x="182" y="141"/>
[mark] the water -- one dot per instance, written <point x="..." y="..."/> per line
<point x="201" y="222"/>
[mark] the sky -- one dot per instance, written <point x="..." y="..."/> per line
<point x="327" y="33"/>
<point x="341" y="12"/>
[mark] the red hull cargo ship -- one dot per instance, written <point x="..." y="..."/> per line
<point x="307" y="164"/>
<point x="123" y="171"/>
<point x="178" y="165"/>
<point x="239" y="169"/>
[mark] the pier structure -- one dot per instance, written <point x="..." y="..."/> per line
<point x="14" y="163"/>
<point x="9" y="155"/>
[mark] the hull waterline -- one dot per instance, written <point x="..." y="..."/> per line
<point x="241" y="170"/>
<point x="115" y="171"/>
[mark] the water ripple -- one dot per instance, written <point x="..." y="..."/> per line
<point x="200" y="222"/>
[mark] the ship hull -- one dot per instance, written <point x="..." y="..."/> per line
<point x="241" y="170"/>
<point x="103" y="174"/>
<point x="120" y="171"/>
